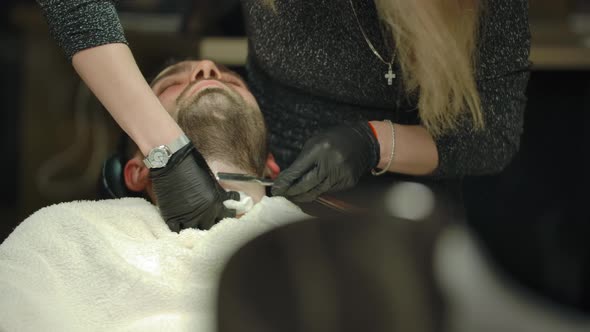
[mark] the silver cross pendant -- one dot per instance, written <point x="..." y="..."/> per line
<point x="390" y="75"/>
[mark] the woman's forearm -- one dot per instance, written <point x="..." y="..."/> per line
<point x="415" y="149"/>
<point x="92" y="36"/>
<point x="111" y="73"/>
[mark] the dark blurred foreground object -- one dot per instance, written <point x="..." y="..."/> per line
<point x="342" y="273"/>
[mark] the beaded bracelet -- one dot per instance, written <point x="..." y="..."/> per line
<point x="386" y="168"/>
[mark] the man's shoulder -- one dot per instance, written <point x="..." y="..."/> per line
<point x="78" y="215"/>
<point x="101" y="209"/>
<point x="278" y="209"/>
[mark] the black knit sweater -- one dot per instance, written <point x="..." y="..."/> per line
<point x="310" y="68"/>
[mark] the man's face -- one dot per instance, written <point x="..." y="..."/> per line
<point x="186" y="79"/>
<point x="214" y="107"/>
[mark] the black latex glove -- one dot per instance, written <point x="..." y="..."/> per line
<point x="188" y="194"/>
<point x="330" y="161"/>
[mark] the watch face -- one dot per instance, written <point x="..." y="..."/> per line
<point x="159" y="157"/>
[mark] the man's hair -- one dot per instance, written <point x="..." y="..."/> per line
<point x="225" y="128"/>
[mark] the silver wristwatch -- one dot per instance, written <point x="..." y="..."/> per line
<point x="159" y="156"/>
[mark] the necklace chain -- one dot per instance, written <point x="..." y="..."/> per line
<point x="358" y="22"/>
<point x="390" y="75"/>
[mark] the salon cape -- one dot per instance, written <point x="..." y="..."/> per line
<point x="114" y="265"/>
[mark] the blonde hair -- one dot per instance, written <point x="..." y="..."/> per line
<point x="436" y="45"/>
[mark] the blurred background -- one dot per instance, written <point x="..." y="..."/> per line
<point x="55" y="134"/>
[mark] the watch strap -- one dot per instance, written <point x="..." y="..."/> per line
<point x="178" y="143"/>
<point x="147" y="162"/>
<point x="172" y="147"/>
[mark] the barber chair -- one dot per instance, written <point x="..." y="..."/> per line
<point x="112" y="181"/>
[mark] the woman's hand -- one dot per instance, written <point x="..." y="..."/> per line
<point x="188" y="194"/>
<point x="331" y="161"/>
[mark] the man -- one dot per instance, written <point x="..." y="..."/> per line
<point x="214" y="107"/>
<point x="115" y="264"/>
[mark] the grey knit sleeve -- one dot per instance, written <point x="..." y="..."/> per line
<point x="502" y="77"/>
<point x="80" y="24"/>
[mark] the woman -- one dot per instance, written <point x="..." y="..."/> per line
<point x="425" y="88"/>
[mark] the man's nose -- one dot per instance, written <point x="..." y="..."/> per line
<point x="206" y="69"/>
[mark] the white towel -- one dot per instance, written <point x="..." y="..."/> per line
<point x="114" y="265"/>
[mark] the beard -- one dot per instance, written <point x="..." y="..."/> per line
<point x="225" y="128"/>
<point x="217" y="101"/>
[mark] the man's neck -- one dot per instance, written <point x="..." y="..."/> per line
<point x="254" y="190"/>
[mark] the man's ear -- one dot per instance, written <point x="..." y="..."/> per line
<point x="272" y="169"/>
<point x="136" y="175"/>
